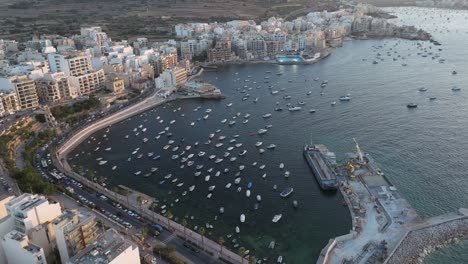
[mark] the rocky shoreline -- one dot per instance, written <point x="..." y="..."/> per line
<point x="421" y="242"/>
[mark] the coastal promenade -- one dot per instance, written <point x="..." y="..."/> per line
<point x="214" y="249"/>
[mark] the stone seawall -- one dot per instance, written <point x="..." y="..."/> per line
<point x="418" y="243"/>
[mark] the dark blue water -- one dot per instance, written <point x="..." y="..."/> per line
<point x="421" y="150"/>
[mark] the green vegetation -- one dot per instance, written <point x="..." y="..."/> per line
<point x="29" y="179"/>
<point x="74" y="113"/>
<point x="40" y="118"/>
<point x="168" y="254"/>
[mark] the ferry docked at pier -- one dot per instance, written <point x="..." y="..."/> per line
<point x="320" y="160"/>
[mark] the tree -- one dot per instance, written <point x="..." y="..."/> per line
<point x="169" y="216"/>
<point x="139" y="201"/>
<point x="252" y="260"/>
<point x="202" y="232"/>
<point x="221" y="243"/>
<point x="152" y="207"/>
<point x="144" y="232"/>
<point x="115" y="189"/>
<point x="242" y="253"/>
<point x="184" y="224"/>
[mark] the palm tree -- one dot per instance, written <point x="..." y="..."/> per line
<point x="242" y="253"/>
<point x="202" y="232"/>
<point x="139" y="200"/>
<point x="169" y="216"/>
<point x="221" y="243"/>
<point x="144" y="233"/>
<point x="184" y="223"/>
<point x="152" y="207"/>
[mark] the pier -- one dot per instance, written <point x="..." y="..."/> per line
<point x="385" y="228"/>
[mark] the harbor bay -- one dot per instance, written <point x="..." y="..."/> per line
<point x="376" y="115"/>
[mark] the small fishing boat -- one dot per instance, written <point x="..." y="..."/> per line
<point x="242" y="218"/>
<point x="262" y="131"/>
<point x="267" y="115"/>
<point x="286" y="192"/>
<point x="242" y="153"/>
<point x="286" y="174"/>
<point x="259" y="198"/>
<point x="228" y="186"/>
<point x="276" y="218"/>
<point x="271" y="146"/>
<point x="258" y="144"/>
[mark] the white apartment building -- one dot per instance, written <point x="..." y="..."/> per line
<point x="88" y="83"/>
<point x="72" y="65"/>
<point x="18" y="249"/>
<point x="30" y="210"/>
<point x="9" y="102"/>
<point x="110" y="248"/>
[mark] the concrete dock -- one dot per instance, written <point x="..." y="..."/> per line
<point x="386" y="229"/>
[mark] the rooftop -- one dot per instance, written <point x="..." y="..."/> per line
<point x="104" y="250"/>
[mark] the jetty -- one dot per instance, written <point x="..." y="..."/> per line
<point x="385" y="227"/>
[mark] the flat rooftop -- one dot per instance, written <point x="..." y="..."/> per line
<point x="108" y="246"/>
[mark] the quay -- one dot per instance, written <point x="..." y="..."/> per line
<point x="385" y="228"/>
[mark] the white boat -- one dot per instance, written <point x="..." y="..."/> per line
<point x="274" y="92"/>
<point x="190" y="155"/>
<point x="247" y="116"/>
<point x="211" y="188"/>
<point x="223" y="121"/>
<point x="191" y="188"/>
<point x="228" y="186"/>
<point x="218" y="160"/>
<point x="175" y="148"/>
<point x="245" y="121"/>
<point x="258" y="144"/>
<point x="232" y="122"/>
<point x="312" y="110"/>
<point x="242" y="218"/>
<point x="226" y="154"/>
<point x="247" y="193"/>
<point x="218" y="173"/>
<point x="211" y="135"/>
<point x="201" y="154"/>
<point x="172" y="122"/>
<point x="114" y="167"/>
<point x="153" y="169"/>
<point x="333" y="103"/>
<point x="197" y="173"/>
<point x="192" y="124"/>
<point x="219" y="145"/>
<point x="238" y="145"/>
<point x="259" y="198"/>
<point x="280" y="259"/>
<point x="237" y="230"/>
<point x="209" y="195"/>
<point x="180" y="184"/>
<point x="262" y="131"/>
<point x="296" y="108"/>
<point x="241" y="167"/>
<point x="229" y="105"/>
<point x="208" y="110"/>
<point x="286" y="174"/>
<point x="281" y="166"/>
<point x="212" y="157"/>
<point x="221" y="210"/>
<point x="230" y="148"/>
<point x="108" y="149"/>
<point x="165" y="147"/>
<point x="207" y="178"/>
<point x="267" y="115"/>
<point x="232" y="159"/>
<point x="188" y="148"/>
<point x="174" y="157"/>
<point x="206" y="117"/>
<point x="242" y="153"/>
<point x="264" y="175"/>
<point x="261" y="150"/>
<point x="102" y="162"/>
<point x="345" y="98"/>
<point x="237" y="180"/>
<point x="137" y="173"/>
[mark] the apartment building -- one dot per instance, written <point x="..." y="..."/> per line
<point x="89" y="83"/>
<point x="55" y="87"/>
<point x="72" y="64"/>
<point x="221" y="52"/>
<point x="18" y="249"/>
<point x="110" y="248"/>
<point x="24" y="88"/>
<point x="9" y="102"/>
<point x="74" y="231"/>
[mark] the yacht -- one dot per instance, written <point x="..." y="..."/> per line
<point x="345" y="98"/>
<point x="224" y="121"/>
<point x="267" y="115"/>
<point x="258" y="144"/>
<point x="231" y="123"/>
<point x="242" y="153"/>
<point x="262" y="131"/>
